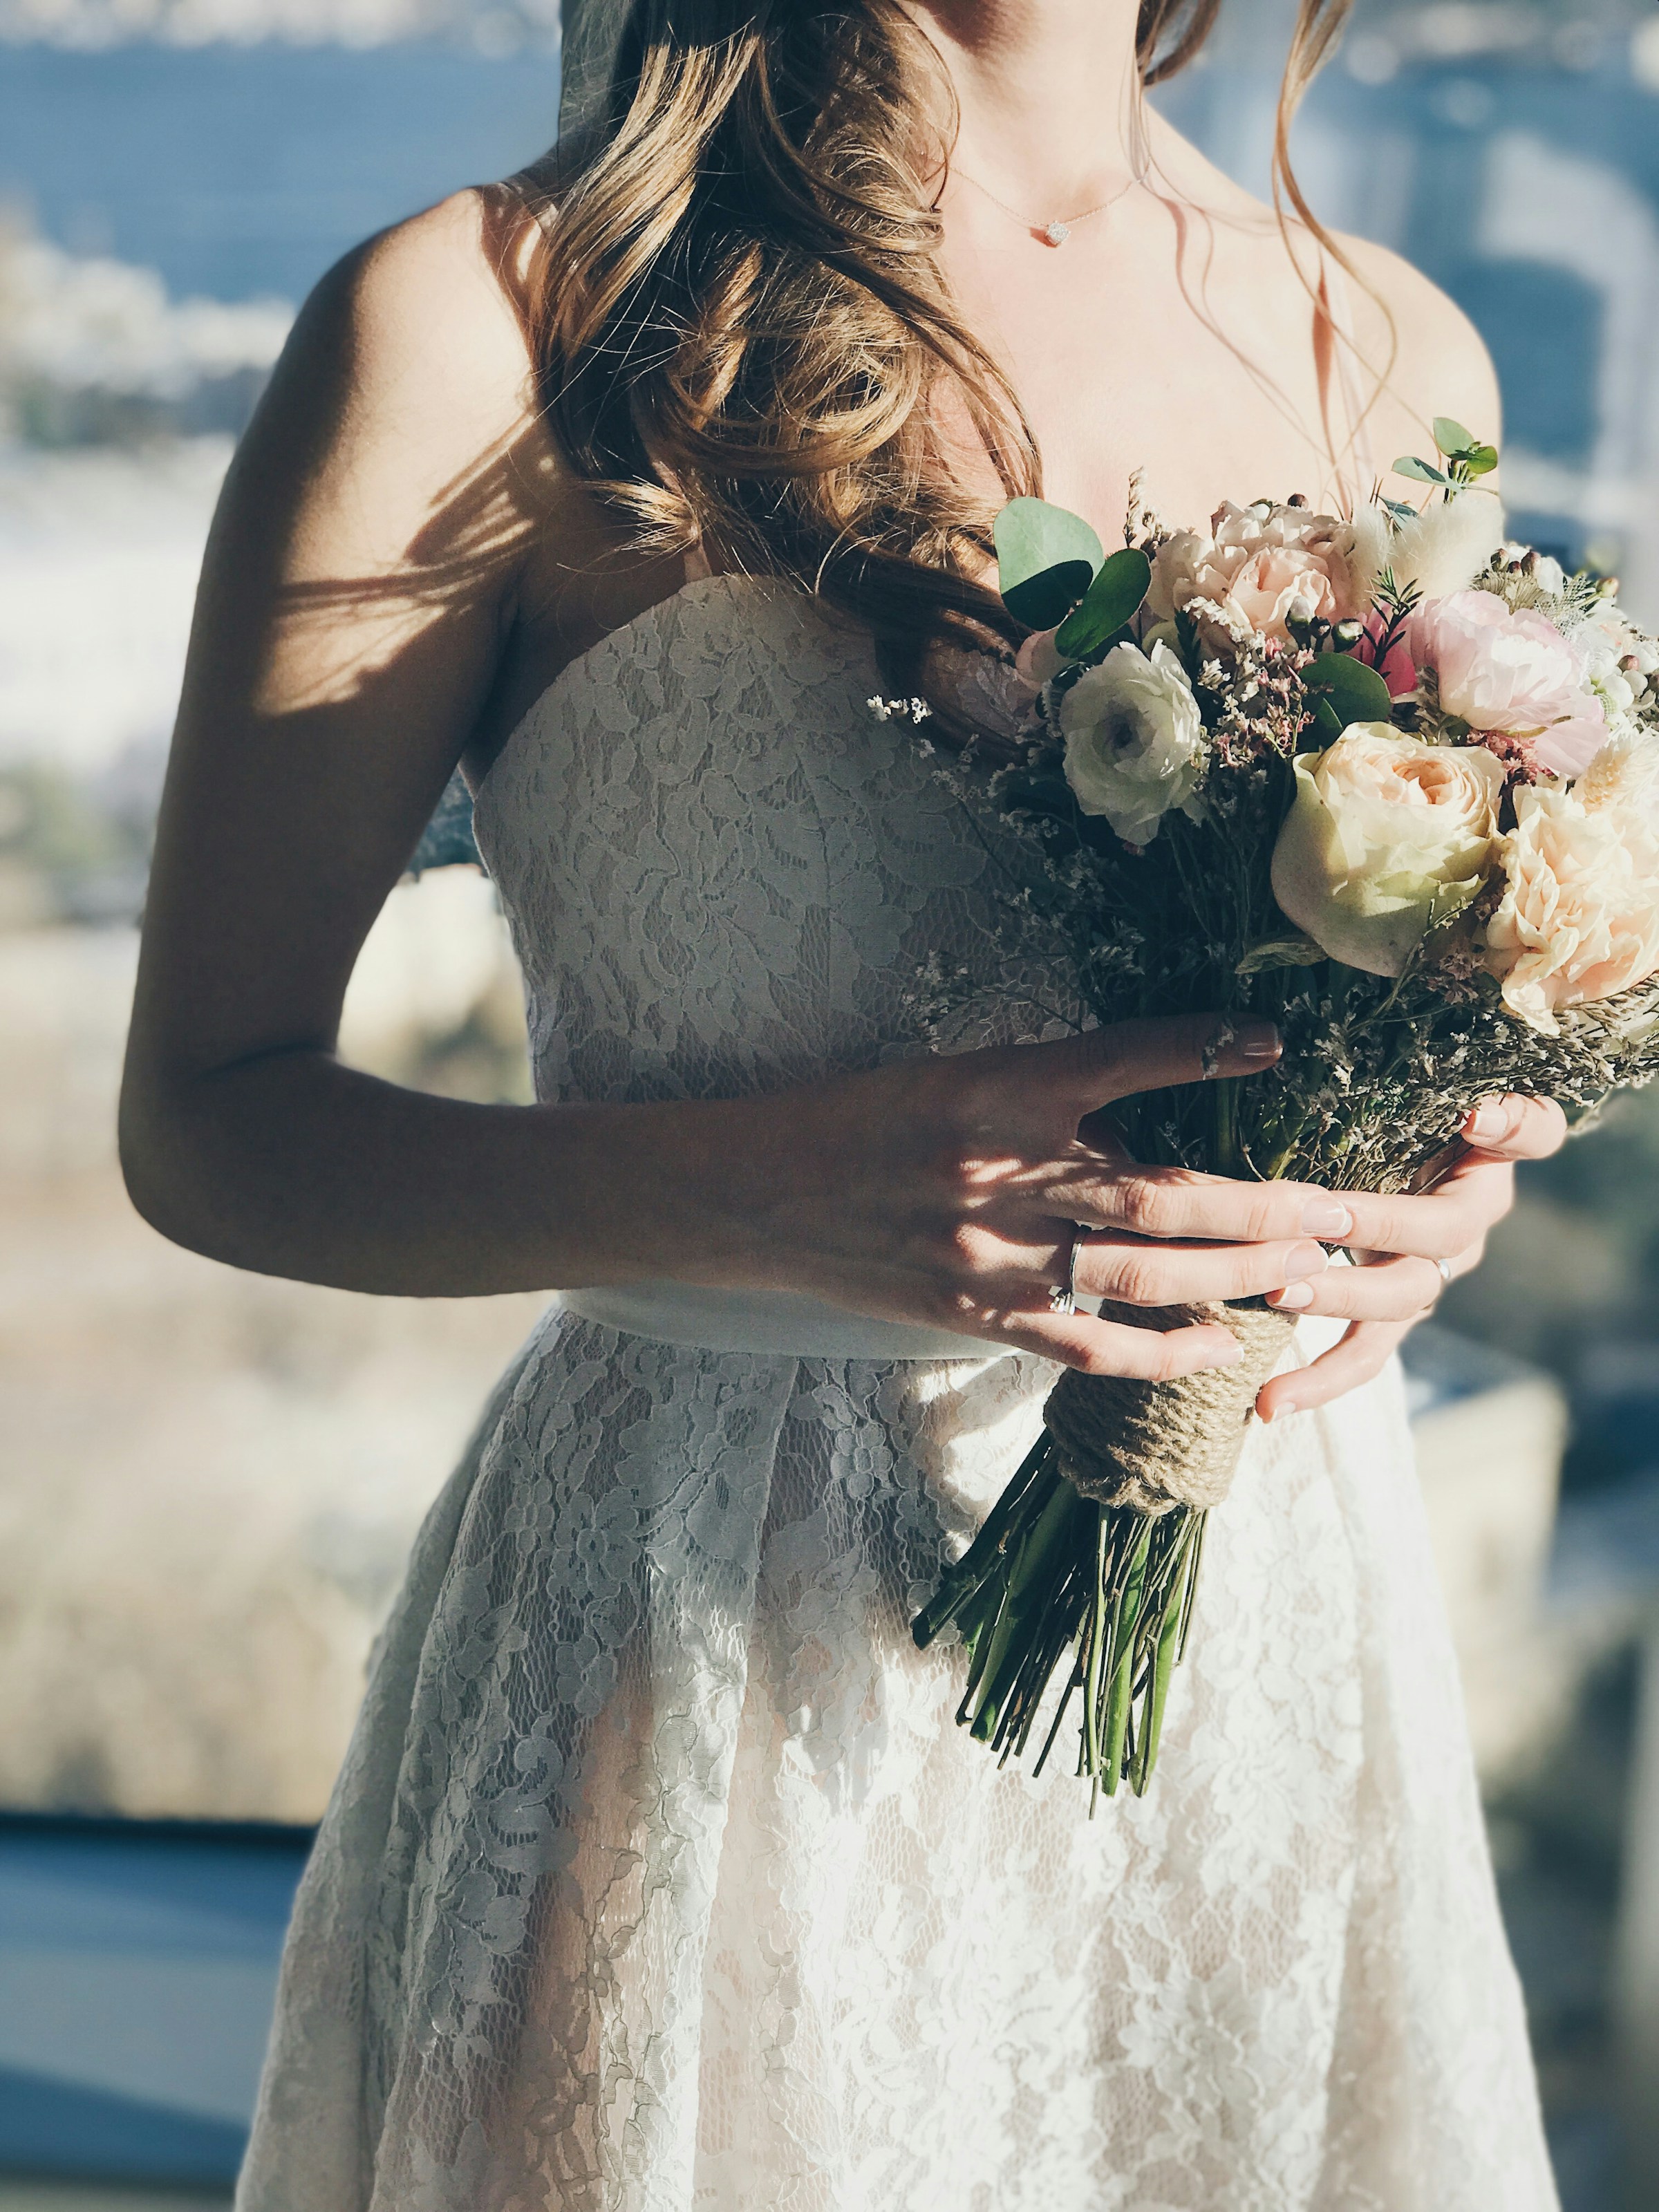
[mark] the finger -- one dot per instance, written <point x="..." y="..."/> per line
<point x="1136" y="1272"/>
<point x="1387" y="1290"/>
<point x="1443" y="1222"/>
<point x="1359" y="1357"/>
<point x="1126" y="1057"/>
<point x="1516" y="1127"/>
<point x="1103" y="1347"/>
<point x="1180" y="1203"/>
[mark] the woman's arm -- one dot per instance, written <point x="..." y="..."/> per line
<point x="358" y="593"/>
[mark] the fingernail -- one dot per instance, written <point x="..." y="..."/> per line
<point x="1258" y="1041"/>
<point x="1231" y="1356"/>
<point x="1326" y="1217"/>
<point x="1285" y="1405"/>
<point x="1490" y="1119"/>
<point x="1293" y="1297"/>
<point x="1304" y="1259"/>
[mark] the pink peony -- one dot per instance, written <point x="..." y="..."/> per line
<point x="1259" y="566"/>
<point x="1509" y="673"/>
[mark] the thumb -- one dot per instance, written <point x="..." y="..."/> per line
<point x="1126" y="1057"/>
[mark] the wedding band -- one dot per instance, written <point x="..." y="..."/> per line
<point x="1062" y="1296"/>
<point x="1445" y="1267"/>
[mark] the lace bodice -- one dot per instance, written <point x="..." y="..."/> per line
<point x="658" y="1878"/>
<point x="735" y="870"/>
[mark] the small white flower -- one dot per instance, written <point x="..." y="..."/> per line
<point x="1135" y="739"/>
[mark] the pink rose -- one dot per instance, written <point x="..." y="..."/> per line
<point x="1513" y="673"/>
<point x="1260" y="566"/>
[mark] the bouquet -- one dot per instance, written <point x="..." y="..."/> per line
<point x="1389" y="780"/>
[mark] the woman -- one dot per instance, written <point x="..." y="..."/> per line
<point x="657" y="1875"/>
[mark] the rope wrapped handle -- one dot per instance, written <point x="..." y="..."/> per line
<point x="1154" y="1446"/>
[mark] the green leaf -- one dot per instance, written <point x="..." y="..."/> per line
<point x="1480" y="460"/>
<point x="1107" y="605"/>
<point x="1345" y="690"/>
<point x="1419" y="471"/>
<point x="1451" y="438"/>
<point x="1046" y="558"/>
<point x="1297" y="951"/>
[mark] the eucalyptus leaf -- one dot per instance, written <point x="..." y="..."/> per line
<point x="1419" y="471"/>
<point x="1106" y="606"/>
<point x="1347" y="691"/>
<point x="1451" y="438"/>
<point x="1046" y="558"/>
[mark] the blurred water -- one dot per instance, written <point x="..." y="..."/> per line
<point x="239" y="171"/>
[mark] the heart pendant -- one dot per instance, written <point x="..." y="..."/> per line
<point x="1056" y="232"/>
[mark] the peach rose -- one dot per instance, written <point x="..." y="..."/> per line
<point x="1386" y="835"/>
<point x="1262" y="567"/>
<point x="1501" y="671"/>
<point x="1579" y="918"/>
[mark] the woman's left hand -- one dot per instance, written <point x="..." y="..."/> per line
<point x="1392" y="1285"/>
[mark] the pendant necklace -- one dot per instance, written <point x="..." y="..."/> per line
<point x="1056" y="232"/>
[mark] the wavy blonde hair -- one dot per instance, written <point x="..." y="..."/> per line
<point x="743" y="335"/>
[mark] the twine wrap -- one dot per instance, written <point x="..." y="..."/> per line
<point x="1153" y="1446"/>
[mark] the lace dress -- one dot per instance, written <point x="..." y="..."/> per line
<point x="658" y="1878"/>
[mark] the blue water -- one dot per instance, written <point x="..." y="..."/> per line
<point x="241" y="170"/>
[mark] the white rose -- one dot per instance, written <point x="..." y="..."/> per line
<point x="1387" y="835"/>
<point x="1580" y="914"/>
<point x="1135" y="739"/>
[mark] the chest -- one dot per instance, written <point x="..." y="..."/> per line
<point x="1202" y="364"/>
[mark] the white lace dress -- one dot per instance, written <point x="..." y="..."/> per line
<point x="658" y="1878"/>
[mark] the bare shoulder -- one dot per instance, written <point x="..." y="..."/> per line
<point x="414" y="343"/>
<point x="1429" y="356"/>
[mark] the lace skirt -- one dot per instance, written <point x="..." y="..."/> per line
<point x="658" y="1878"/>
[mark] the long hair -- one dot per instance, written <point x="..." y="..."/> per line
<point x="742" y="335"/>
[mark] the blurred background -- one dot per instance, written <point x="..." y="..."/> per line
<point x="208" y="1480"/>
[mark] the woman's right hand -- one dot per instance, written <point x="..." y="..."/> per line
<point x="945" y="1191"/>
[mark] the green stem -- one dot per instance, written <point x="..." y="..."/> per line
<point x="1024" y="1603"/>
<point x="1030" y="1490"/>
<point x="1122" y="1653"/>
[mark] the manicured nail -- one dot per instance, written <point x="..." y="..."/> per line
<point x="1490" y="1119"/>
<point x="1231" y="1356"/>
<point x="1285" y="1405"/>
<point x="1326" y="1217"/>
<point x="1231" y="1043"/>
<point x="1293" y="1297"/>
<point x="1304" y="1259"/>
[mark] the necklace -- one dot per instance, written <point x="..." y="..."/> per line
<point x="1056" y="232"/>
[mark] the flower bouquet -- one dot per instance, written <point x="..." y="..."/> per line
<point x="1392" y="783"/>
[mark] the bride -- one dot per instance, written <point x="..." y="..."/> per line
<point x="658" y="1876"/>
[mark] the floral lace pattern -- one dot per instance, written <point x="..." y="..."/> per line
<point x="658" y="1878"/>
